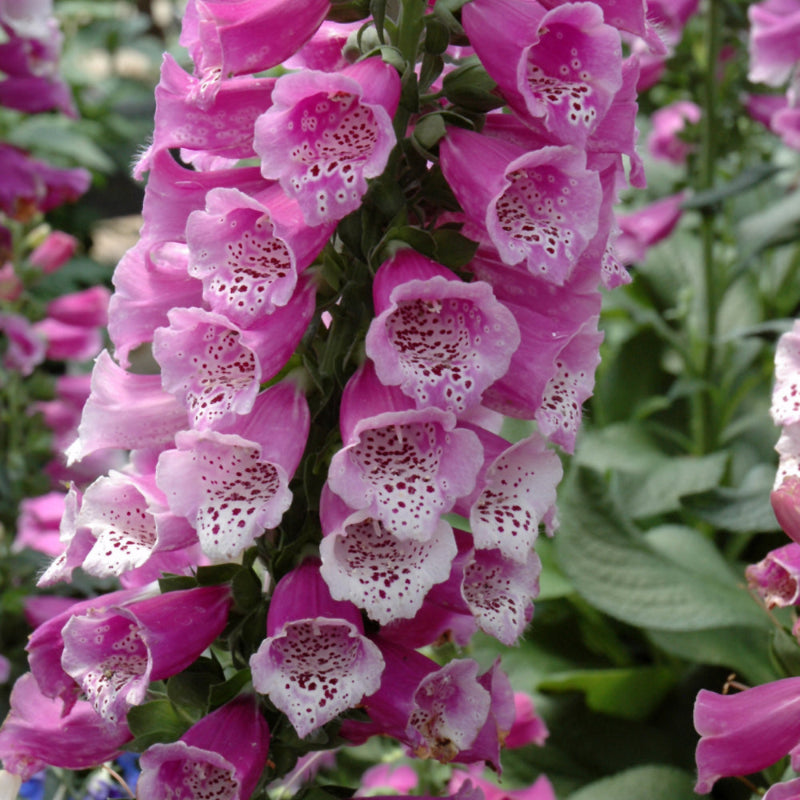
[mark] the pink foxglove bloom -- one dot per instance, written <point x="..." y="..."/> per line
<point x="776" y="578"/>
<point x="365" y="563"/>
<point x="24" y="347"/>
<point x="126" y="410"/>
<point x="541" y="789"/>
<point x="447" y="713"/>
<point x="774" y="40"/>
<point x="324" y="51"/>
<point x="562" y="66"/>
<point x="785" y="408"/>
<point x="38" y="523"/>
<point x="518" y="492"/>
<point x="528" y="727"/>
<point x="669" y="122"/>
<point x="36" y="733"/>
<point x="232" y="38"/>
<point x="29" y="183"/>
<point x="114" y="654"/>
<point x="645" y="227"/>
<point x="745" y="732"/>
<point x="399" y="778"/>
<point x="790" y="790"/>
<point x="222" y="127"/>
<point x="57" y="248"/>
<point x="46" y="644"/>
<point x="149" y="281"/>
<point x="406" y="466"/>
<point x="499" y="591"/>
<point x="232" y="484"/>
<point x="248" y="251"/>
<point x="315" y="662"/>
<point x="173" y="191"/>
<point x="215" y="368"/>
<point x="441" y="340"/>
<point x="221" y="756"/>
<point x="539" y="207"/>
<point x="326" y="133"/>
<point x="126" y="517"/>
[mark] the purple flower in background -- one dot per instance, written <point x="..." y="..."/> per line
<point x="669" y="122"/>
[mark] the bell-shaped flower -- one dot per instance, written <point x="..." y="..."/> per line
<point x="776" y="578"/>
<point x="315" y="666"/>
<point x="669" y="122"/>
<point x="126" y="516"/>
<point x="774" y="40"/>
<point x="46" y="644"/>
<point x="785" y="495"/>
<point x="447" y="713"/>
<point x="231" y="484"/>
<point x="149" y="281"/>
<point x="561" y="66"/>
<point x="528" y="727"/>
<point x="223" y="126"/>
<point x="248" y="251"/>
<point x="365" y="563"/>
<point x="325" y="50"/>
<point x="499" y="590"/>
<point x="406" y="466"/>
<point x="173" y="192"/>
<point x="641" y="229"/>
<point x="541" y="789"/>
<point x="125" y="410"/>
<point x="25" y="346"/>
<point x="38" y="523"/>
<point x="221" y="756"/>
<point x="114" y="653"/>
<point x="552" y="371"/>
<point x="36" y="733"/>
<point x="215" y="368"/>
<point x="56" y="249"/>
<point x="517" y="493"/>
<point x="326" y="133"/>
<point x="227" y="38"/>
<point x="745" y="732"/>
<point x="785" y="408"/>
<point x="441" y="340"/>
<point x="788" y="790"/>
<point x="539" y="207"/>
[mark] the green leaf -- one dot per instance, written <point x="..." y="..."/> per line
<point x="190" y="688"/>
<point x="743" y="509"/>
<point x="452" y="249"/>
<point x="156" y="721"/>
<point x="654" y="782"/>
<point x="778" y="223"/>
<point x="617" y="570"/>
<point x="624" y="446"/>
<point x="552" y="581"/>
<point x="628" y="692"/>
<point x="62" y="139"/>
<point x="437" y="36"/>
<point x="741" y="650"/>
<point x="221" y="693"/>
<point x="217" y="573"/>
<point x="745" y="180"/>
<point x="471" y="87"/>
<point x="659" y="490"/>
<point x="786" y="652"/>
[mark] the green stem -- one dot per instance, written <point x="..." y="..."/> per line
<point x="703" y="411"/>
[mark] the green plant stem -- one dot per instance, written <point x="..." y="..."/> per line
<point x="703" y="417"/>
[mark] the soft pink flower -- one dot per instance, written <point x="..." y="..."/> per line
<point x="57" y="248"/>
<point x="669" y="121"/>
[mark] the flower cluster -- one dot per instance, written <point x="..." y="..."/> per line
<point x="366" y="238"/>
<point x="774" y="59"/>
<point x="748" y="731"/>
